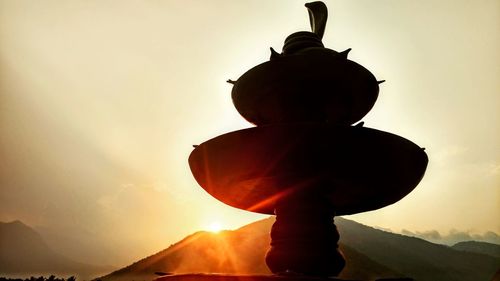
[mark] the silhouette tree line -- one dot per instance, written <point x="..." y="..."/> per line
<point x="41" y="278"/>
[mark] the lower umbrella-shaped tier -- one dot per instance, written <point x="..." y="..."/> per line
<point x="355" y="169"/>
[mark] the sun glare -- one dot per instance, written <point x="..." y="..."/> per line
<point x="215" y="227"/>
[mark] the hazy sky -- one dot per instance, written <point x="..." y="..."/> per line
<point x="101" y="102"/>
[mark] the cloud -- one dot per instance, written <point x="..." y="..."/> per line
<point x="453" y="236"/>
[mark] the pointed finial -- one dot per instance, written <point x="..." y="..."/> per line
<point x="345" y="53"/>
<point x="318" y="14"/>
<point x="274" y="54"/>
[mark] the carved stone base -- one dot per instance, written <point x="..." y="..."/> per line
<point x="304" y="238"/>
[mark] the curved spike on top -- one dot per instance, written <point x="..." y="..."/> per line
<point x="345" y="53"/>
<point x="274" y="54"/>
<point x="318" y="14"/>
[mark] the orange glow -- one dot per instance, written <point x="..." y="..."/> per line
<point x="287" y="191"/>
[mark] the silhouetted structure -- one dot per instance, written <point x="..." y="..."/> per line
<point x="304" y="161"/>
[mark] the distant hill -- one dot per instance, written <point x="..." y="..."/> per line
<point x="479" y="247"/>
<point x="23" y="253"/>
<point x="370" y="254"/>
<point x="241" y="251"/>
<point x="417" y="258"/>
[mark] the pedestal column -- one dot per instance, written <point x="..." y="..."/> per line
<point x="304" y="238"/>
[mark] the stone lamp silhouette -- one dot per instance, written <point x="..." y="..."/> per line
<point x="305" y="161"/>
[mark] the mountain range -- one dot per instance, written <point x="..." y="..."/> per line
<point x="24" y="253"/>
<point x="478" y="247"/>
<point x="370" y="254"/>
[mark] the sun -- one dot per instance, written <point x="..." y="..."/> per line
<point x="215" y="227"/>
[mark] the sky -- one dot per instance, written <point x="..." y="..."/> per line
<point x="101" y="102"/>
